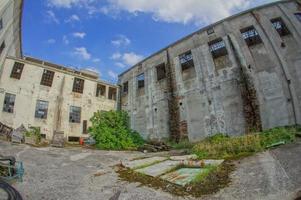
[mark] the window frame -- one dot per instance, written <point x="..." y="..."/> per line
<point x="15" y="73"/>
<point x="78" y="85"/>
<point x="140" y="81"/>
<point x="125" y="87"/>
<point x="251" y="36"/>
<point x="43" y="108"/>
<point x="161" y="71"/>
<point x="11" y="104"/>
<point x="99" y="90"/>
<point x="186" y="60"/>
<point x="112" y="93"/>
<point x="279" y="25"/>
<point x="75" y="110"/>
<point x="217" y="48"/>
<point x="47" y="78"/>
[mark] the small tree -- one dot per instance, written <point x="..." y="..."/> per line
<point x="111" y="130"/>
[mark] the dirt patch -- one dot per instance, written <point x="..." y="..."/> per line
<point x="211" y="184"/>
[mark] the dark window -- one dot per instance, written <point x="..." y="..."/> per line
<point x="251" y="36"/>
<point x="43" y="135"/>
<point x="140" y="81"/>
<point x="298" y="16"/>
<point x="17" y="70"/>
<point x="73" y="139"/>
<point x="1" y="24"/>
<point x="85" y="127"/>
<point x="9" y="103"/>
<point x="112" y="93"/>
<point x="75" y="113"/>
<point x="218" y="48"/>
<point x="78" y="85"/>
<point x="2" y="47"/>
<point x="210" y="31"/>
<point x="186" y="60"/>
<point x="280" y="27"/>
<point x="125" y="87"/>
<point x="47" y="78"/>
<point x="100" y="90"/>
<point x="41" y="109"/>
<point x="161" y="73"/>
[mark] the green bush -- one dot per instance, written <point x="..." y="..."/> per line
<point x="34" y="132"/>
<point x="111" y="131"/>
<point x="221" y="146"/>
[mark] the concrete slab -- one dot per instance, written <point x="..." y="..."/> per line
<point x="186" y="157"/>
<point x="183" y="176"/>
<point x="143" y="162"/>
<point x="200" y="163"/>
<point x="159" y="169"/>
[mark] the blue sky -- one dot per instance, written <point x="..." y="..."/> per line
<point x="109" y="36"/>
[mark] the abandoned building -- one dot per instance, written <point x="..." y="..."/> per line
<point x="238" y="75"/>
<point x="40" y="94"/>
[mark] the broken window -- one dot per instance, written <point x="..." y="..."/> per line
<point x="280" y="27"/>
<point x="140" y="81"/>
<point x="41" y="109"/>
<point x="210" y="31"/>
<point x="161" y="73"/>
<point x="251" y="36"/>
<point x="78" y="85"/>
<point x="125" y="87"/>
<point x="85" y="127"/>
<point x="75" y="114"/>
<point x="298" y="16"/>
<point x="218" y="48"/>
<point x="112" y="93"/>
<point x="73" y="139"/>
<point x="186" y="60"/>
<point x="100" y="90"/>
<point x="17" y="70"/>
<point x="47" y="78"/>
<point x="9" y="103"/>
<point x="2" y="47"/>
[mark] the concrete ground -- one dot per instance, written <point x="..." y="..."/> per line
<point x="82" y="174"/>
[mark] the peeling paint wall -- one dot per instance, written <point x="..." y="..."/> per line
<point x="59" y="96"/>
<point x="251" y="88"/>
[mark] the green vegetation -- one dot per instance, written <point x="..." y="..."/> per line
<point x="204" y="174"/>
<point x="35" y="133"/>
<point x="111" y="131"/>
<point x="222" y="146"/>
<point x="183" y="144"/>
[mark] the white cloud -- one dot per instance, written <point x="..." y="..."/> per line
<point x="116" y="56"/>
<point x="79" y="35"/>
<point x="126" y="59"/>
<point x="72" y="18"/>
<point x="51" y="41"/>
<point x="131" y="58"/>
<point x="51" y="17"/>
<point x="64" y="3"/>
<point x="112" y="74"/>
<point x="121" y="40"/>
<point x="82" y="52"/>
<point x="120" y="64"/>
<point x="93" y="69"/>
<point x="66" y="40"/>
<point x="179" y="11"/>
<point x="96" y="60"/>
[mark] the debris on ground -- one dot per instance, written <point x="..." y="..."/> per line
<point x="5" y="132"/>
<point x="154" y="146"/>
<point x="18" y="134"/>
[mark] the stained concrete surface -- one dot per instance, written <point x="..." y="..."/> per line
<point x="76" y="173"/>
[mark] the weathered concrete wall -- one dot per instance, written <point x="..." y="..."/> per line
<point x="251" y="87"/>
<point x="10" y="34"/>
<point x="59" y="96"/>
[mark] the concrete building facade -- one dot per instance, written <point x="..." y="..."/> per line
<point x="235" y="76"/>
<point x="10" y="29"/>
<point x="37" y="93"/>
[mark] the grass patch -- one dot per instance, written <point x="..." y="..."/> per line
<point x="204" y="174"/>
<point x="215" y="180"/>
<point x="184" y="144"/>
<point x="224" y="147"/>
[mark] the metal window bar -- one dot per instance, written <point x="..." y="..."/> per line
<point x="186" y="60"/>
<point x="78" y="85"/>
<point x="251" y="36"/>
<point x="75" y="114"/>
<point x="9" y="103"/>
<point x="280" y="27"/>
<point x="140" y="79"/>
<point x="41" y="109"/>
<point x="47" y="78"/>
<point x="17" y="70"/>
